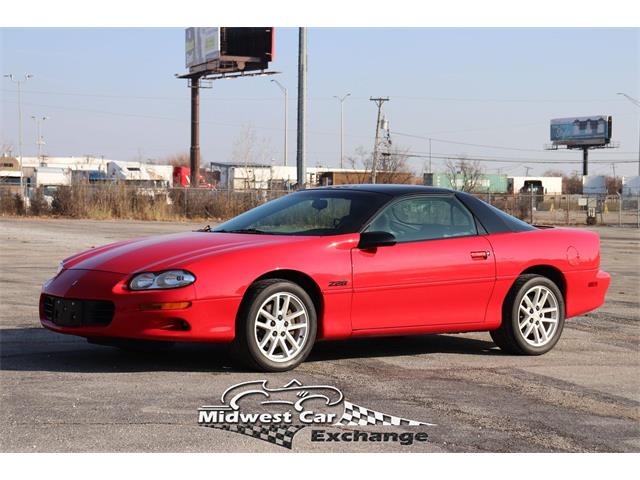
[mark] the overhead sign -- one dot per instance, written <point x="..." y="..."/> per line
<point x="581" y="131"/>
<point x="202" y="45"/>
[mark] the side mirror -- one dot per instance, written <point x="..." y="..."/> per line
<point x="376" y="239"/>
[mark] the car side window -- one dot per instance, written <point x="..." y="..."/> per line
<point x="425" y="218"/>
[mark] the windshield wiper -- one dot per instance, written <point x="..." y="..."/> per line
<point x="245" y="230"/>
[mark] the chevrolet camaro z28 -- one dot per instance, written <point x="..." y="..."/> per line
<point x="334" y="263"/>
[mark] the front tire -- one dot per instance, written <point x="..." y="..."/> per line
<point x="533" y="317"/>
<point x="276" y="326"/>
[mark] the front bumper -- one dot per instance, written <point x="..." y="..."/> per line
<point x="204" y="320"/>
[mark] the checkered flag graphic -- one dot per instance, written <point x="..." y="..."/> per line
<point x="357" y="415"/>
<point x="281" y="435"/>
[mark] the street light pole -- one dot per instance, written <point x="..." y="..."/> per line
<point x="302" y="108"/>
<point x="39" y="137"/>
<point x="636" y="102"/>
<point x="19" y="83"/>
<point x="286" y="96"/>
<point x="341" y="100"/>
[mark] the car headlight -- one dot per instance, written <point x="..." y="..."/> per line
<point x="161" y="280"/>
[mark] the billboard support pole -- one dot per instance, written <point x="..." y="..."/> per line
<point x="585" y="161"/>
<point x="194" y="156"/>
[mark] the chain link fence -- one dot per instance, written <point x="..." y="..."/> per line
<point x="573" y="209"/>
<point x="111" y="201"/>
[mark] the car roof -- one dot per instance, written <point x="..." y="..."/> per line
<point x="394" y="190"/>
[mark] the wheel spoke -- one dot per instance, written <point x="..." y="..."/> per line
<point x="528" y="331"/>
<point x="536" y="333"/>
<point x="266" y="314"/>
<point x="528" y="301"/>
<point x="285" y="307"/>
<point x="543" y="333"/>
<point x="273" y="346"/>
<point x="543" y="300"/>
<point x="296" y="326"/>
<point x="285" y="349"/>
<point x="548" y="310"/>
<point x="265" y="340"/>
<point x="294" y="344"/>
<point x="536" y="297"/>
<point x="294" y="315"/>
<point x="264" y="325"/>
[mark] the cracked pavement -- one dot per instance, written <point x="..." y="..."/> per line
<point x="61" y="394"/>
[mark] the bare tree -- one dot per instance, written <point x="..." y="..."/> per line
<point x="464" y="174"/>
<point x="249" y="148"/>
<point x="393" y="167"/>
<point x="178" y="160"/>
<point x="553" y="173"/>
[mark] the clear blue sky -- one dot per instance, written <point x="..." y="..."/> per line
<point x="112" y="92"/>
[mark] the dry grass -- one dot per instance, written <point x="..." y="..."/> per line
<point x="110" y="201"/>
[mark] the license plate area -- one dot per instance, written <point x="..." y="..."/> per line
<point x="67" y="313"/>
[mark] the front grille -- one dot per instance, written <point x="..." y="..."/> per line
<point x="68" y="312"/>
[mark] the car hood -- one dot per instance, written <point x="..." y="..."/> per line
<point x="166" y="251"/>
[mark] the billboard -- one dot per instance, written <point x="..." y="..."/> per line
<point x="202" y="45"/>
<point x="581" y="131"/>
<point x="228" y="49"/>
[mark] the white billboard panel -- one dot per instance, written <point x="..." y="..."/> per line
<point x="202" y="45"/>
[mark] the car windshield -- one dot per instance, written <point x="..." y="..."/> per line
<point x="309" y="212"/>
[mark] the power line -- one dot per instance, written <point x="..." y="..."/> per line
<point x="399" y="97"/>
<point x="514" y="160"/>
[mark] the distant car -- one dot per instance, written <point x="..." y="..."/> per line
<point x="334" y="263"/>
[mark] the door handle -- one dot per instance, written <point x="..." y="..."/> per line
<point x="481" y="255"/>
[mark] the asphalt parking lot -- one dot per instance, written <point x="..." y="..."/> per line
<point x="59" y="393"/>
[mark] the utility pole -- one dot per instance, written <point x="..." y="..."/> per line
<point x="14" y="79"/>
<point x="636" y="102"/>
<point x="379" y="102"/>
<point x="527" y="169"/>
<point x="194" y="157"/>
<point x="341" y="100"/>
<point x="39" y="137"/>
<point x="430" y="171"/>
<point x="585" y="161"/>
<point x="302" y="104"/>
<point x="284" y="91"/>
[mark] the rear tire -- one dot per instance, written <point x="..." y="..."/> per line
<point x="532" y="318"/>
<point x="276" y="326"/>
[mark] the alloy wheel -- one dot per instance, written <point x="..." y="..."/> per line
<point x="281" y="327"/>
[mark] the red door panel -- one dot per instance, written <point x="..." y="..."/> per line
<point x="435" y="282"/>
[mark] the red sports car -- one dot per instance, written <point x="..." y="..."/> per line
<point x="332" y="263"/>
